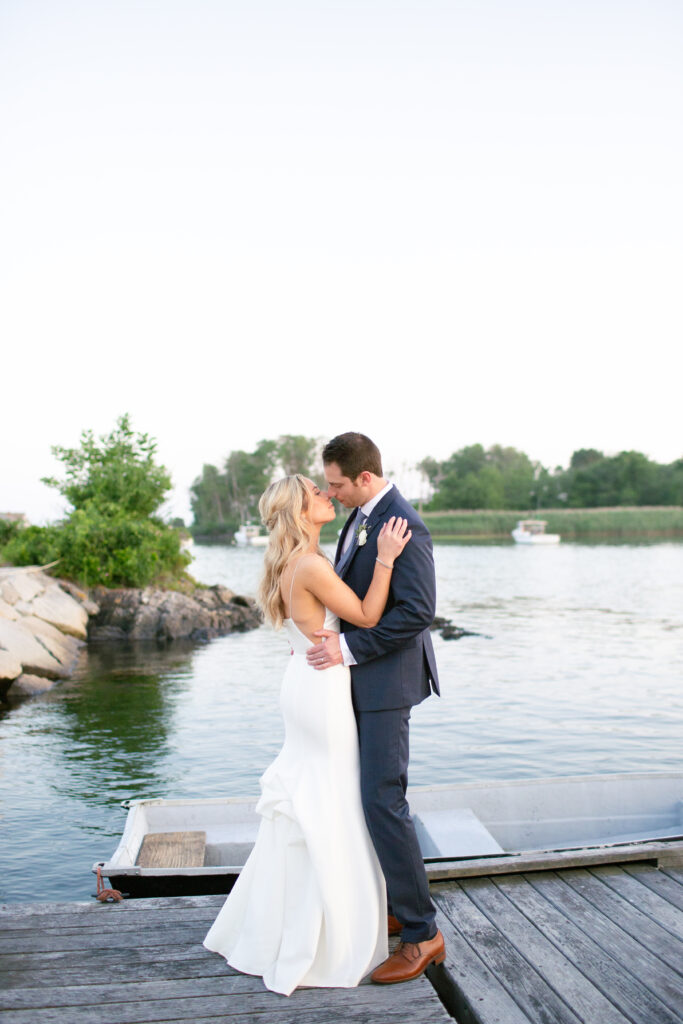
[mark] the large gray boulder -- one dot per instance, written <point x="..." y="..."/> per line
<point x="44" y="622"/>
<point x="10" y="669"/>
<point x="19" y="641"/>
<point x="26" y="585"/>
<point x="8" y="591"/>
<point x="53" y="605"/>
<point x="149" y="614"/>
<point x="10" y="666"/>
<point x="7" y="611"/>
<point x="28" y="685"/>
<point x="61" y="646"/>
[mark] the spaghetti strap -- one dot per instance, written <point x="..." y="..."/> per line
<point x="291" y="591"/>
<point x="291" y="586"/>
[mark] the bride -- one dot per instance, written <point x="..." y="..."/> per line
<point x="309" y="907"/>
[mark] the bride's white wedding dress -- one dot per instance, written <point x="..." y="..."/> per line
<point x="309" y="907"/>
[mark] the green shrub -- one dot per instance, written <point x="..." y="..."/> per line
<point x="32" y="545"/>
<point x="115" y="550"/>
<point x="111" y="536"/>
<point x="8" y="530"/>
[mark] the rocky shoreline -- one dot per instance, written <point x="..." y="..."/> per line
<point x="46" y="622"/>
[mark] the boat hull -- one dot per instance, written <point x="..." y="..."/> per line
<point x="469" y="829"/>
<point x="522" y="537"/>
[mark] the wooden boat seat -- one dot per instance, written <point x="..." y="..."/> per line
<point x="172" y="850"/>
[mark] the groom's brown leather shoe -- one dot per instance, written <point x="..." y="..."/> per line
<point x="394" y="925"/>
<point x="410" y="960"/>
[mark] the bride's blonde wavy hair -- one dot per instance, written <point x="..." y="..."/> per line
<point x="281" y="507"/>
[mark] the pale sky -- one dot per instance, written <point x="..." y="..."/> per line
<point x="440" y="223"/>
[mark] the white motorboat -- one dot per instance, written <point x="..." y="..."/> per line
<point x="249" y="535"/>
<point x="174" y="847"/>
<point x="532" y="531"/>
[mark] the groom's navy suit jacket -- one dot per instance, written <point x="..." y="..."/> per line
<point x="395" y="666"/>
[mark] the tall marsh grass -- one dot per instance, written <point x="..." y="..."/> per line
<point x="571" y="524"/>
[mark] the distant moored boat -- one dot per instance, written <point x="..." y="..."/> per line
<point x="532" y="531"/>
<point x="249" y="535"/>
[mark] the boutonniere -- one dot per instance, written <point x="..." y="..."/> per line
<point x="361" y="534"/>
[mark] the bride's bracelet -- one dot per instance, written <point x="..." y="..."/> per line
<point x="384" y="563"/>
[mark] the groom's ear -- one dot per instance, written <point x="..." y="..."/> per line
<point x="363" y="479"/>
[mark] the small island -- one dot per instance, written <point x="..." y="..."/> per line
<point x="120" y="571"/>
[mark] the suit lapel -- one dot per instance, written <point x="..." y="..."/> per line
<point x="371" y="522"/>
<point x="381" y="507"/>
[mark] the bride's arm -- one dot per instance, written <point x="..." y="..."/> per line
<point x="318" y="577"/>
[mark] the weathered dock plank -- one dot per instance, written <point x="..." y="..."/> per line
<point x="534" y="996"/>
<point x="600" y="967"/>
<point x="658" y="881"/>
<point x="468" y="985"/>
<point x="568" y="961"/>
<point x="83" y="1005"/>
<point x="629" y="918"/>
<point x="37" y="942"/>
<point x="675" y="873"/>
<point x="569" y="946"/>
<point x="651" y="903"/>
<point x="142" y="961"/>
<point x="551" y="947"/>
<point x="652" y="971"/>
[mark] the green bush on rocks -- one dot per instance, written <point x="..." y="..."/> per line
<point x="112" y="536"/>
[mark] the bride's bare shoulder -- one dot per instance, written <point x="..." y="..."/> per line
<point x="313" y="565"/>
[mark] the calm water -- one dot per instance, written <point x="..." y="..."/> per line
<point x="580" y="671"/>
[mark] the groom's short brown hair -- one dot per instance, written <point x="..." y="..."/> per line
<point x="354" y="454"/>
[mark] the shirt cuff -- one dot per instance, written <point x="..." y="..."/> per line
<point x="347" y="657"/>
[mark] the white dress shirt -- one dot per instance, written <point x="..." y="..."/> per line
<point x="362" y="516"/>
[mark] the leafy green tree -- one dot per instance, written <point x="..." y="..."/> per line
<point x="475" y="477"/>
<point x="210" y="502"/>
<point x="116" y="470"/>
<point x="670" y="484"/>
<point x="431" y="469"/>
<point x="111" y="536"/>
<point x="247" y="475"/>
<point x="629" y="478"/>
<point x="220" y="501"/>
<point x="471" y="459"/>
<point x="297" y="454"/>
<point x="485" y="489"/>
<point x="583" y="457"/>
<point x="518" y="474"/>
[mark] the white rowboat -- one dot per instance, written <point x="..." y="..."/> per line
<point x="173" y="847"/>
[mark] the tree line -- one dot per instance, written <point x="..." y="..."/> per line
<point x="473" y="477"/>
<point x="114" y="533"/>
<point x="506" y="478"/>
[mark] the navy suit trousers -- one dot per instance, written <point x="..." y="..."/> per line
<point x="384" y="749"/>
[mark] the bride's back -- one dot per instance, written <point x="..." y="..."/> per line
<point x="300" y="605"/>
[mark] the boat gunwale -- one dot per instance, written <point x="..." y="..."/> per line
<point x="642" y="847"/>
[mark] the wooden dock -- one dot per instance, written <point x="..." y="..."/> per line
<point x="143" y="960"/>
<point x="598" y="945"/>
<point x="601" y="945"/>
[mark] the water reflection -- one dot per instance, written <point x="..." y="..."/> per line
<point x="69" y="757"/>
<point x="115" y="725"/>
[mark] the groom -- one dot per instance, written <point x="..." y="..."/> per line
<point x="392" y="668"/>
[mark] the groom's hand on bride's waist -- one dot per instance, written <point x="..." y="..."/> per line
<point x="327" y="653"/>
